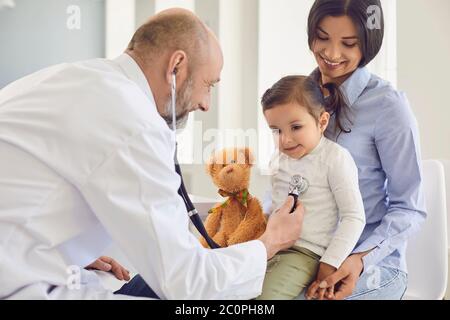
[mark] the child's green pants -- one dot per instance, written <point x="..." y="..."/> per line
<point x="288" y="273"/>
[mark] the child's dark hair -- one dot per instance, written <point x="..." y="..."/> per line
<point x="370" y="39"/>
<point x="305" y="91"/>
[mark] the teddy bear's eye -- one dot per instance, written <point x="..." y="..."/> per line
<point x="233" y="161"/>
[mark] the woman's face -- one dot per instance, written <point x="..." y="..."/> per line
<point x="336" y="48"/>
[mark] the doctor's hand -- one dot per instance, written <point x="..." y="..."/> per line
<point x="108" y="264"/>
<point x="283" y="228"/>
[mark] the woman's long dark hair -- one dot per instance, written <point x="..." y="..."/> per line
<point x="306" y="92"/>
<point x="336" y="105"/>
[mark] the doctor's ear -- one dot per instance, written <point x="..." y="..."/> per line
<point x="177" y="65"/>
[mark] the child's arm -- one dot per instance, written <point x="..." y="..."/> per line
<point x="314" y="290"/>
<point x="343" y="181"/>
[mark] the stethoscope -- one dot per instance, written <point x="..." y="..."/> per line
<point x="191" y="210"/>
<point x="297" y="186"/>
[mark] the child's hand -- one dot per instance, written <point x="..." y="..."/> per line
<point x="314" y="291"/>
<point x="108" y="264"/>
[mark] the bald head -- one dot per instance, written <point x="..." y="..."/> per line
<point x="175" y="46"/>
<point x="171" y="30"/>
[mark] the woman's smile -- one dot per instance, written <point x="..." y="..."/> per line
<point x="332" y="65"/>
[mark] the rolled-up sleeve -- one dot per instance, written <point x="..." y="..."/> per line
<point x="134" y="195"/>
<point x="397" y="141"/>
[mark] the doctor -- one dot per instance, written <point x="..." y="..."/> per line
<point x="87" y="159"/>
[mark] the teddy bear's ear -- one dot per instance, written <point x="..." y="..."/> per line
<point x="249" y="159"/>
<point x="210" y="164"/>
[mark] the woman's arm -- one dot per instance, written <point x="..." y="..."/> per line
<point x="397" y="141"/>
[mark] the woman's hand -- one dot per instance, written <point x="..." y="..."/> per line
<point x="108" y="264"/>
<point x="343" y="279"/>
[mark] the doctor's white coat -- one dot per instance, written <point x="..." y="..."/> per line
<point x="85" y="159"/>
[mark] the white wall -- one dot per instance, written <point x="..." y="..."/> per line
<point x="120" y="26"/>
<point x="423" y="51"/>
<point x="37" y="34"/>
<point x="423" y="69"/>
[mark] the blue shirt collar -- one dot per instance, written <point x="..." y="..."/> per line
<point x="354" y="86"/>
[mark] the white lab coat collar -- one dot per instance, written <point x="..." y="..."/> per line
<point x="134" y="73"/>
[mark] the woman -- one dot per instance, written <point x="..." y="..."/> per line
<point x="382" y="136"/>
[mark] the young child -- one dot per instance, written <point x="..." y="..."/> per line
<point x="296" y="111"/>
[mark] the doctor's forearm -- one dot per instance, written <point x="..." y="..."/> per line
<point x="271" y="248"/>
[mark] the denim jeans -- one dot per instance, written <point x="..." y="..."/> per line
<point x="137" y="287"/>
<point x="378" y="283"/>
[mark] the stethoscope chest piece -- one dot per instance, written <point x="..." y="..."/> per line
<point x="298" y="184"/>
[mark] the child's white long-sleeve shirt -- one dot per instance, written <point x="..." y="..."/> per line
<point x="334" y="212"/>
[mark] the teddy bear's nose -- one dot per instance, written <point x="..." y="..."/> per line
<point x="229" y="170"/>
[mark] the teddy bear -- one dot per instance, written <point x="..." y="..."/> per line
<point x="240" y="217"/>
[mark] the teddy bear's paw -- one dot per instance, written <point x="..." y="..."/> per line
<point x="204" y="243"/>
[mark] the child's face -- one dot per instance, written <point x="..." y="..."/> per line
<point x="336" y="48"/>
<point x="296" y="132"/>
